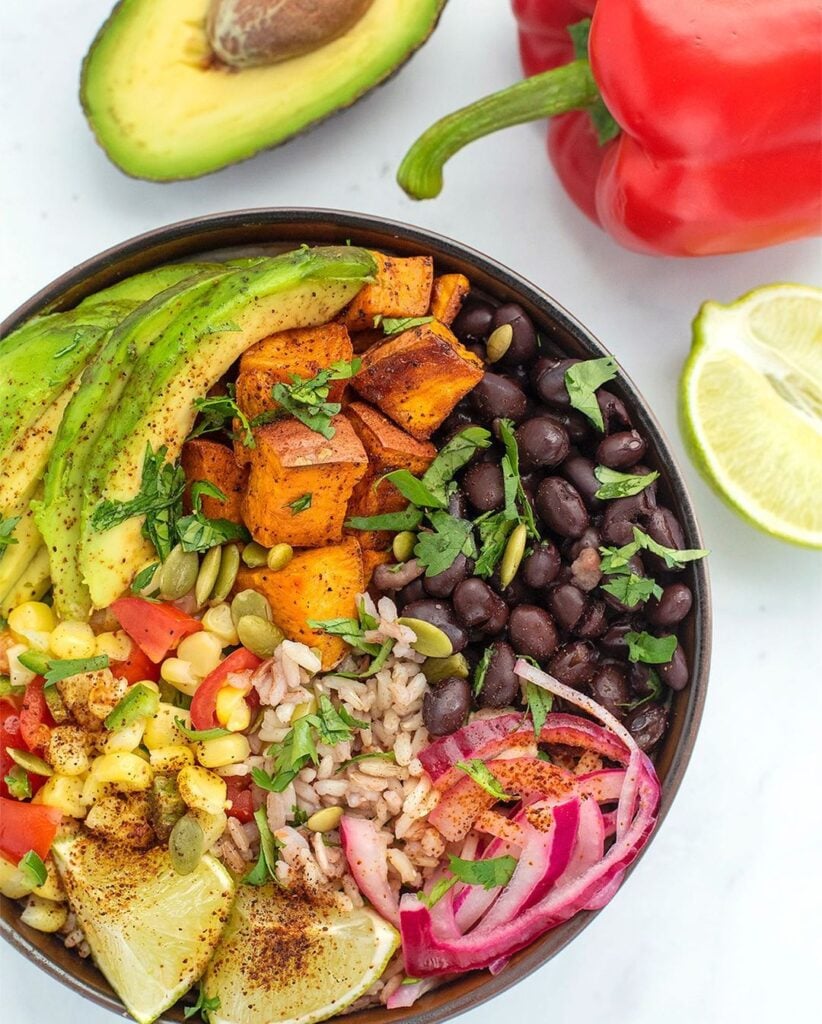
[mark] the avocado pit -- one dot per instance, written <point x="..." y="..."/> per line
<point x="253" y="33"/>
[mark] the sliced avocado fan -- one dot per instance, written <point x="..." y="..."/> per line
<point x="163" y="108"/>
<point x="303" y="288"/>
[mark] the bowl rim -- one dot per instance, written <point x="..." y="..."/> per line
<point x="183" y="239"/>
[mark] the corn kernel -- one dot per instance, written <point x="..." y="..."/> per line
<point x="213" y="825"/>
<point x="161" y="731"/>
<point x="52" y="888"/>
<point x="126" y="738"/>
<point x="31" y="623"/>
<point x="202" y="789"/>
<point x="325" y="820"/>
<point x="172" y="758"/>
<point x="66" y="750"/>
<point x="222" y="750"/>
<point x="203" y="651"/>
<point x="19" y="675"/>
<point x="72" y="640"/>
<point x="217" y="620"/>
<point x="116" y="645"/>
<point x="231" y="709"/>
<point x="44" y="915"/>
<point x="13" y="883"/>
<point x="180" y="674"/>
<point x="65" y="792"/>
<point x="128" y="772"/>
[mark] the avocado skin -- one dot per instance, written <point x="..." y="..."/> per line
<point x="129" y="160"/>
<point x="104" y="383"/>
<point x="300" y="288"/>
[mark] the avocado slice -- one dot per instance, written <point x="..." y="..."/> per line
<point x="30" y="585"/>
<point x="297" y="289"/>
<point x="141" y="287"/>
<point x="163" y="108"/>
<point x="103" y="385"/>
<point x="16" y="557"/>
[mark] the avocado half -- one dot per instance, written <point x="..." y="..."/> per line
<point x="163" y="109"/>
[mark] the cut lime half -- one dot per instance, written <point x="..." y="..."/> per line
<point x="751" y="407"/>
<point x="292" y="959"/>
<point x="151" y="931"/>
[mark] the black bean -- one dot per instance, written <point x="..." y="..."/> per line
<point x="473" y="322"/>
<point x="574" y="663"/>
<point x="672" y="607"/>
<point x="621" y="450"/>
<point x="532" y="631"/>
<point x="675" y="672"/>
<point x="411" y="592"/>
<point x="498" y="619"/>
<point x="609" y="687"/>
<point x="517" y="591"/>
<point x="443" y="583"/>
<point x="613" y="640"/>
<point x="542" y="443"/>
<point x="541" y="566"/>
<point x="498" y="397"/>
<point x="577" y="427"/>
<point x="614" y="414"/>
<point x="665" y="528"/>
<point x="460" y="419"/>
<point x="647" y="725"/>
<point x="474" y="602"/>
<point x="561" y="508"/>
<point x="446" y="706"/>
<point x="580" y="472"/>
<point x="523" y="347"/>
<point x="593" y="622"/>
<point x="483" y="486"/>
<point x="501" y="687"/>
<point x="641" y="679"/>
<point x="623" y="514"/>
<point x="440" y="614"/>
<point x="567" y="603"/>
<point x="548" y="380"/>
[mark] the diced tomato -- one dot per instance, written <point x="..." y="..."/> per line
<point x="155" y="628"/>
<point x="203" y="704"/>
<point x="25" y="827"/>
<point x="35" y="718"/>
<point x="238" y="793"/>
<point x="136" y="667"/>
<point x="9" y="737"/>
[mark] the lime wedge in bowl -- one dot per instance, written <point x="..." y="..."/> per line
<point x="151" y="931"/>
<point x="294" y="959"/>
<point x="751" y="407"/>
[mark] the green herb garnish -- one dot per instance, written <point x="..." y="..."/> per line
<point x="54" y="670"/>
<point x="144" y="578"/>
<point x="219" y="410"/>
<point x="292" y="755"/>
<point x="377" y="755"/>
<point x="409" y="519"/>
<point x="33" y="869"/>
<point x="265" y="867"/>
<point x="7" y="527"/>
<point x="204" y="1005"/>
<point x="436" y="550"/>
<point x="653" y="650"/>
<point x="621" y="485"/>
<point x="300" y="504"/>
<point x="18" y="783"/>
<point x="298" y="816"/>
<point x="479" y="771"/>
<point x="481" y="671"/>
<point x="307" y="399"/>
<point x="581" y="382"/>
<point x="631" y="589"/>
<point x="197" y="532"/>
<point x="490" y="874"/>
<point x="656" y="692"/>
<point x="412" y="489"/>
<point x="198" y="735"/>
<point x="539" y="701"/>
<point x="454" y="454"/>
<point x="393" y="325"/>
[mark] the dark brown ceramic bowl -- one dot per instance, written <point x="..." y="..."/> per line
<point x="273" y="230"/>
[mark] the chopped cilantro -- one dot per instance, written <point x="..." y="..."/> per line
<point x="490" y="874"/>
<point x="539" y="701"/>
<point x="204" y="1005"/>
<point x="653" y="650"/>
<point x="479" y="771"/>
<point x="307" y="399"/>
<point x="300" y="504"/>
<point x="18" y="783"/>
<point x="219" y="410"/>
<point x="198" y="735"/>
<point x="631" y="589"/>
<point x="392" y="325"/>
<point x="436" y="550"/>
<point x="7" y="527"/>
<point x="409" y="519"/>
<point x="621" y="485"/>
<point x="581" y="382"/>
<point x="266" y="864"/>
<point x="54" y="670"/>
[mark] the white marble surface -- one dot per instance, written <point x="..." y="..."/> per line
<point x="719" y="923"/>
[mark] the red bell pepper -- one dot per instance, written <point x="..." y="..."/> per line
<point x="709" y="116"/>
<point x="238" y="794"/>
<point x="136" y="667"/>
<point x="25" y="827"/>
<point x="204" y="701"/>
<point x="36" y="722"/>
<point x="155" y="628"/>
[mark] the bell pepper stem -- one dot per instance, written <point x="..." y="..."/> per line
<point x="570" y="87"/>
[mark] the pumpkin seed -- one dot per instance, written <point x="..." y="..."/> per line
<point x="512" y="556"/>
<point x="254" y="555"/>
<point x="249" y="602"/>
<point x="325" y="820"/>
<point x="279" y="557"/>
<point x="178" y="574"/>
<point x="431" y="641"/>
<point x="499" y="341"/>
<point x="207" y="577"/>
<point x="259" y="636"/>
<point x="229" y="567"/>
<point x="437" y="669"/>
<point x="30" y="762"/>
<point x="403" y="545"/>
<point x="186" y="844"/>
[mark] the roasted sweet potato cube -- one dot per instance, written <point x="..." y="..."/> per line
<point x="319" y="584"/>
<point x="370" y="561"/>
<point x="447" y="296"/>
<point x="417" y="377"/>
<point x="304" y="351"/>
<point x="300" y="483"/>
<point x="388" y="448"/>
<point x="214" y="462"/>
<point x="402" y="288"/>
